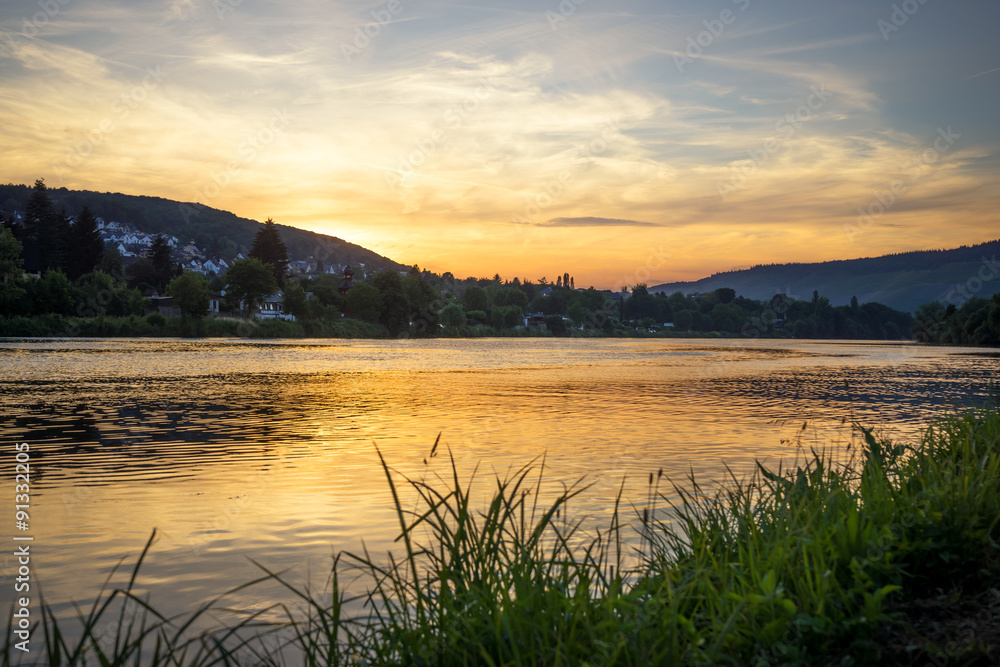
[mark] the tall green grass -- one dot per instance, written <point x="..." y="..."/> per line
<point x="827" y="562"/>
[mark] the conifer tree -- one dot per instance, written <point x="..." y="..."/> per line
<point x="41" y="226"/>
<point x="270" y="249"/>
<point x="159" y="254"/>
<point x="85" y="247"/>
<point x="64" y="242"/>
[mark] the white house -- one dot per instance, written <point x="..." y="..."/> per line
<point x="110" y="226"/>
<point x="273" y="308"/>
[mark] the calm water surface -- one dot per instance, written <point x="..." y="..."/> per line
<point x="267" y="450"/>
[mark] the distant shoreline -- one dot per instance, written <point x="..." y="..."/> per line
<point x="60" y="327"/>
<point x="136" y="327"/>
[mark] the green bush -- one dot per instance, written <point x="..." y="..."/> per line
<point x="272" y="329"/>
<point x="156" y="320"/>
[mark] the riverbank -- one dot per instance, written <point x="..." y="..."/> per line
<point x="157" y="326"/>
<point x="887" y="556"/>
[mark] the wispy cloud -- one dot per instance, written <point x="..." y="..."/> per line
<point x="822" y="44"/>
<point x="590" y="221"/>
<point x="989" y="71"/>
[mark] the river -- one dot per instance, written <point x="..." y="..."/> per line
<point x="235" y="450"/>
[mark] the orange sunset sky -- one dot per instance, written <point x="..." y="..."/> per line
<point x="526" y="138"/>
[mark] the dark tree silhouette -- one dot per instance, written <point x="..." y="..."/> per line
<point x="364" y="302"/>
<point x="85" y="247"/>
<point x="270" y="249"/>
<point x="395" y="310"/>
<point x="190" y="292"/>
<point x="725" y="294"/>
<point x="163" y="265"/>
<point x="249" y="281"/>
<point x="41" y="227"/>
<point x="112" y="263"/>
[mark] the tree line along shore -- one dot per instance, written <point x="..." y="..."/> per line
<point x="79" y="287"/>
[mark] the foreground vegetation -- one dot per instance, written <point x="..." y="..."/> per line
<point x="888" y="554"/>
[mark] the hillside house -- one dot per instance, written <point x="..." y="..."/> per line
<point x="210" y="266"/>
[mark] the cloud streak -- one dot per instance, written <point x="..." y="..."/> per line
<point x="590" y="221"/>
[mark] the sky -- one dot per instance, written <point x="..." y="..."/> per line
<point x="620" y="142"/>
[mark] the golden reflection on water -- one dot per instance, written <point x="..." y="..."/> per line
<point x="235" y="449"/>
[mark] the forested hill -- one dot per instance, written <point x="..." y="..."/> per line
<point x="903" y="281"/>
<point x="216" y="232"/>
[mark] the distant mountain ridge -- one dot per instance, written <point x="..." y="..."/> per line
<point x="903" y="281"/>
<point x="217" y="232"/>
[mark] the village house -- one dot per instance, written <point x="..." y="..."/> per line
<point x="535" y="321"/>
<point x="273" y="308"/>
